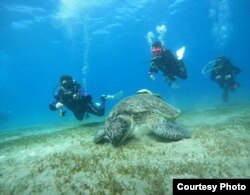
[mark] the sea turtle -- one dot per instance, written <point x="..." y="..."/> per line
<point x="137" y="112"/>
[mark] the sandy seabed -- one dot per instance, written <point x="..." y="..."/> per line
<point x="64" y="160"/>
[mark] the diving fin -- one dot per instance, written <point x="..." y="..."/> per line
<point x="117" y="95"/>
<point x="174" y="85"/>
<point x="180" y="53"/>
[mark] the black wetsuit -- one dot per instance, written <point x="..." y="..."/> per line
<point x="223" y="73"/>
<point x="78" y="101"/>
<point x="169" y="65"/>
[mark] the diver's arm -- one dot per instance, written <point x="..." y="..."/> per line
<point x="53" y="105"/>
<point x="152" y="69"/>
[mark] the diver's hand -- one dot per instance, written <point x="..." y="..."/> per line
<point x="218" y="77"/>
<point x="59" y="105"/>
<point x="61" y="112"/>
<point x="228" y="77"/>
<point x="152" y="77"/>
<point x="76" y="96"/>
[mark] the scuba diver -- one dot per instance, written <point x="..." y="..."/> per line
<point x="166" y="62"/>
<point x="71" y="95"/>
<point x="222" y="73"/>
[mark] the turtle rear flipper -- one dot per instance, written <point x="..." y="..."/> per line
<point x="170" y="130"/>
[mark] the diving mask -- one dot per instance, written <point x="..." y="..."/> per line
<point x="68" y="84"/>
<point x="156" y="51"/>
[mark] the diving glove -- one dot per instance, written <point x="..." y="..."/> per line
<point x="152" y="77"/>
<point x="59" y="105"/>
<point x="77" y="96"/>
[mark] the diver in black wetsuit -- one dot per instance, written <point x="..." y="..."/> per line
<point x="76" y="99"/>
<point x="166" y="62"/>
<point x="222" y="73"/>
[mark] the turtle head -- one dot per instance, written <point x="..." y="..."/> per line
<point x="118" y="129"/>
<point x="100" y="135"/>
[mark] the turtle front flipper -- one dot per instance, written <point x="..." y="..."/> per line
<point x="170" y="130"/>
<point x="100" y="135"/>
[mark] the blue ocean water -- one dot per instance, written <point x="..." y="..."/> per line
<point x="104" y="46"/>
